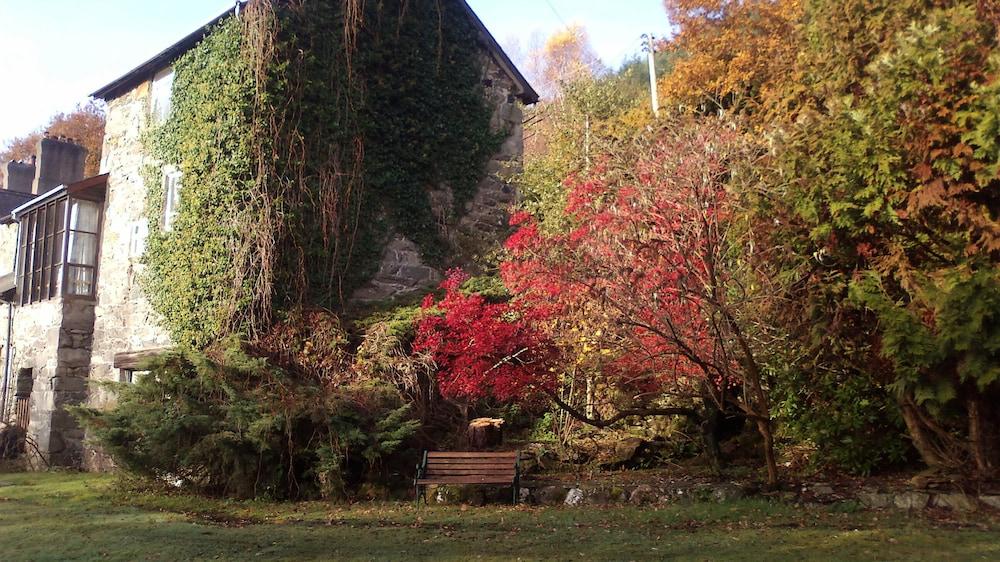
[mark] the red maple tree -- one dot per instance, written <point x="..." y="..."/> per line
<point x="657" y="253"/>
<point x="483" y="349"/>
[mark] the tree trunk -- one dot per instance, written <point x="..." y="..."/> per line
<point x="764" y="427"/>
<point x="921" y="441"/>
<point x="710" y="434"/>
<point x="982" y="437"/>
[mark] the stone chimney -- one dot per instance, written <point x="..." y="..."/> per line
<point x="60" y="161"/>
<point x="19" y="175"/>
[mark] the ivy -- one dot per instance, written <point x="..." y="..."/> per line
<point x="302" y="151"/>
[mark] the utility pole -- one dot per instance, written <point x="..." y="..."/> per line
<point x="650" y="48"/>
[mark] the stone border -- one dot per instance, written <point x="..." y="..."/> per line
<point x="574" y="495"/>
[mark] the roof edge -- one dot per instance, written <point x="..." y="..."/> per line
<point x="527" y="95"/>
<point x="146" y="70"/>
<point x="70" y="189"/>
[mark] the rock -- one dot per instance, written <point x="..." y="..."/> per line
<point x="446" y="495"/>
<point x="992" y="501"/>
<point x="821" y="490"/>
<point x="727" y="492"/>
<point x="911" y="500"/>
<point x="954" y="501"/>
<point x="524" y="495"/>
<point x="549" y="495"/>
<point x="642" y="495"/>
<point x="625" y="452"/>
<point x="574" y="497"/>
<point x="875" y="500"/>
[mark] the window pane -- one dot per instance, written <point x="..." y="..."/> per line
<point x="83" y="215"/>
<point x="82" y="248"/>
<point x="172" y="195"/>
<point x="57" y="280"/>
<point x="163" y="84"/>
<point x="80" y="281"/>
<point x="60" y="214"/>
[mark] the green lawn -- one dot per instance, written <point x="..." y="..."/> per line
<point x="63" y="516"/>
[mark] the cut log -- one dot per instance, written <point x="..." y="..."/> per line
<point x="485" y="433"/>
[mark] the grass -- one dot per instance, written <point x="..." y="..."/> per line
<point x="68" y="516"/>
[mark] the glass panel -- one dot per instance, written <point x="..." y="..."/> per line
<point x="163" y="84"/>
<point x="82" y="248"/>
<point x="80" y="280"/>
<point x="172" y="195"/>
<point x="57" y="277"/>
<point x="83" y="215"/>
<point x="61" y="215"/>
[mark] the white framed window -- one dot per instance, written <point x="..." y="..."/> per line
<point x="131" y="376"/>
<point x="171" y="195"/>
<point x="138" y="232"/>
<point x="160" y="93"/>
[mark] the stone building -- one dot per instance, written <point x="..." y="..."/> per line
<point x="75" y="312"/>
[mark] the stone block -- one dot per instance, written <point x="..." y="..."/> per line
<point x="68" y="384"/>
<point x="727" y="492"/>
<point x="875" y="500"/>
<point x="574" y="497"/>
<point x="550" y="495"/>
<point x="954" y="501"/>
<point x="991" y="501"/>
<point x="911" y="500"/>
<point x="643" y="494"/>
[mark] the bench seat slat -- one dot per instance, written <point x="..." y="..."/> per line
<point x="486" y="465"/>
<point x="466" y="480"/>
<point x="506" y="462"/>
<point x="475" y="455"/>
<point x="446" y="472"/>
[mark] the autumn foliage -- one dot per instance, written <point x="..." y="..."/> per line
<point x="483" y="349"/>
<point x="85" y="125"/>
<point x="732" y="52"/>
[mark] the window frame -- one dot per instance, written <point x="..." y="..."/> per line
<point x="67" y="265"/>
<point x="41" y="275"/>
<point x="161" y="95"/>
<point x="172" y="176"/>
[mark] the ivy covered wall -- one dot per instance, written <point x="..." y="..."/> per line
<point x="309" y="135"/>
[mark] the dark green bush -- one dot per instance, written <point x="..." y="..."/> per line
<point x="236" y="425"/>
<point x="853" y="422"/>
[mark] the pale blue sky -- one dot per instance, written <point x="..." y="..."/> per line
<point x="55" y="52"/>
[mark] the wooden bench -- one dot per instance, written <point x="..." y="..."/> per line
<point x="443" y="467"/>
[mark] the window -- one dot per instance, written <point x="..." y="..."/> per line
<point x="40" y="252"/>
<point x="161" y="91"/>
<point x="81" y="262"/>
<point x="131" y="376"/>
<point x="137" y="238"/>
<point x="57" y="249"/>
<point x="172" y="195"/>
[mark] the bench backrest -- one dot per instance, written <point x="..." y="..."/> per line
<point x="470" y="468"/>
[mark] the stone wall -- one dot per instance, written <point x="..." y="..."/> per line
<point x="53" y="338"/>
<point x="124" y="320"/>
<point x="8" y="246"/>
<point x="481" y="226"/>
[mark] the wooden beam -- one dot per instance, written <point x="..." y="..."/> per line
<point x="132" y="360"/>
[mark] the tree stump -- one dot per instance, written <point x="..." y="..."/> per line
<point x="485" y="433"/>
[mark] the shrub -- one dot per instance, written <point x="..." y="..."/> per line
<point x="231" y="424"/>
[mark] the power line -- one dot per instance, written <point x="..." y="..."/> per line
<point x="556" y="12"/>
